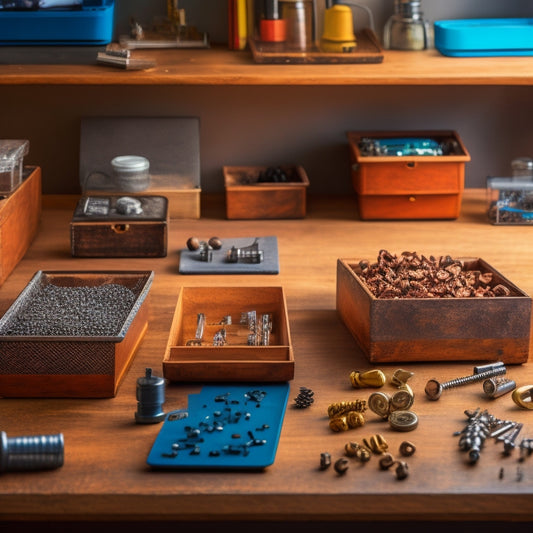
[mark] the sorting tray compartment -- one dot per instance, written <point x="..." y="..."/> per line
<point x="435" y="329"/>
<point x="46" y="358"/>
<point x="235" y="361"/>
<point x="246" y="198"/>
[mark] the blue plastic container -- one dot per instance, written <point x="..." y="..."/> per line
<point x="92" y="24"/>
<point x="484" y="37"/>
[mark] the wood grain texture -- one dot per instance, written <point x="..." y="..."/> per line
<point x="105" y="476"/>
<point x="20" y="213"/>
<point x="218" y="66"/>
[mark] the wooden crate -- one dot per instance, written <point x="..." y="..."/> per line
<point x="235" y="361"/>
<point x="85" y="366"/>
<point x="408" y="187"/>
<point x="435" y="329"/>
<point x="115" y="235"/>
<point x="20" y="214"/>
<point x="248" y="199"/>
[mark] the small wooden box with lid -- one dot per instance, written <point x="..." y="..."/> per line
<point x="413" y="186"/>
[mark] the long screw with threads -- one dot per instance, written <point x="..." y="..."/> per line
<point x="434" y="388"/>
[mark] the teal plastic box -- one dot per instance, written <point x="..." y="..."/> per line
<point x="484" y="37"/>
<point x="91" y="24"/>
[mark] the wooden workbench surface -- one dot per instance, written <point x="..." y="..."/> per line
<point x="105" y="475"/>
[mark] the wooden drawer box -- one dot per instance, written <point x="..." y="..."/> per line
<point x="20" y="214"/>
<point x="435" y="329"/>
<point x="246" y="198"/>
<point x="82" y="357"/>
<point x="235" y="361"/>
<point x="101" y="231"/>
<point x="408" y="187"/>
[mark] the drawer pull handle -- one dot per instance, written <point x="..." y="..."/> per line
<point x="412" y="198"/>
<point x="120" y="228"/>
<point x="411" y="164"/>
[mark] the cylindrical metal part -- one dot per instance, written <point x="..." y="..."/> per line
<point x="498" y="386"/>
<point x="35" y="452"/>
<point x="488" y="367"/>
<point x="150" y="399"/>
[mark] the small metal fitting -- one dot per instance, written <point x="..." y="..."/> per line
<point x="498" y="386"/>
<point x="386" y="461"/>
<point x="407" y="448"/>
<point x="36" y="452"/>
<point x="401" y="376"/>
<point x="380" y="403"/>
<point x="350" y="449"/>
<point x="523" y="397"/>
<point x="402" y="470"/>
<point x="325" y="461"/>
<point x="488" y="367"/>
<point x="370" y="378"/>
<point x="341" y="466"/>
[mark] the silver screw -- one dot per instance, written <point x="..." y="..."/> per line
<point x="434" y="388"/>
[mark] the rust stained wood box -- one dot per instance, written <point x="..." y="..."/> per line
<point x="109" y="226"/>
<point x="247" y="198"/>
<point x="408" y="187"/>
<point x="435" y="329"/>
<point x="78" y="352"/>
<point x="20" y="213"/>
<point x="235" y="361"/>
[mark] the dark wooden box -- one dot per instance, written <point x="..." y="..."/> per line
<point x="246" y="198"/>
<point x="236" y="361"/>
<point x="20" y="214"/>
<point x="408" y="187"/>
<point x="88" y="365"/>
<point x="112" y="234"/>
<point x="435" y="329"/>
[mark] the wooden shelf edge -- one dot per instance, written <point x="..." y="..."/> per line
<point x="219" y="66"/>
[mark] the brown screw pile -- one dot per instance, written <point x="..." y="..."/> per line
<point x="416" y="276"/>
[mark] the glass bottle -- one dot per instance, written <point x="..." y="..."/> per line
<point x="298" y="16"/>
<point x="406" y="29"/>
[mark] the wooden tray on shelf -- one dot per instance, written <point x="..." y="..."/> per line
<point x="368" y="50"/>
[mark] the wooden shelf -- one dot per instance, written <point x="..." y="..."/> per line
<point x="105" y="475"/>
<point x="219" y="66"/>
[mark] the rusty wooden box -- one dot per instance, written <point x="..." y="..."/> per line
<point x="100" y="228"/>
<point x="20" y="214"/>
<point x="73" y="334"/>
<point x="236" y="360"/>
<point x="435" y="329"/>
<point x="410" y="186"/>
<point x="248" y="198"/>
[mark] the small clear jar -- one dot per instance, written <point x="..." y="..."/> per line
<point x="131" y="173"/>
<point x="407" y="29"/>
<point x="522" y="168"/>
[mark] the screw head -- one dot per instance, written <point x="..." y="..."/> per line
<point x="433" y="389"/>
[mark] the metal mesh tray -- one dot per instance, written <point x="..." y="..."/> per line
<point x="74" y="305"/>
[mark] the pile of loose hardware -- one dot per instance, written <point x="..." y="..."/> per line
<point x="415" y="276"/>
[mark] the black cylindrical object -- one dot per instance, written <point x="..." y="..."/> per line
<point x="150" y="399"/>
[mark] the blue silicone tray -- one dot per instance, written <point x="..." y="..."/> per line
<point x="92" y="24"/>
<point x="484" y="37"/>
<point x="224" y="427"/>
